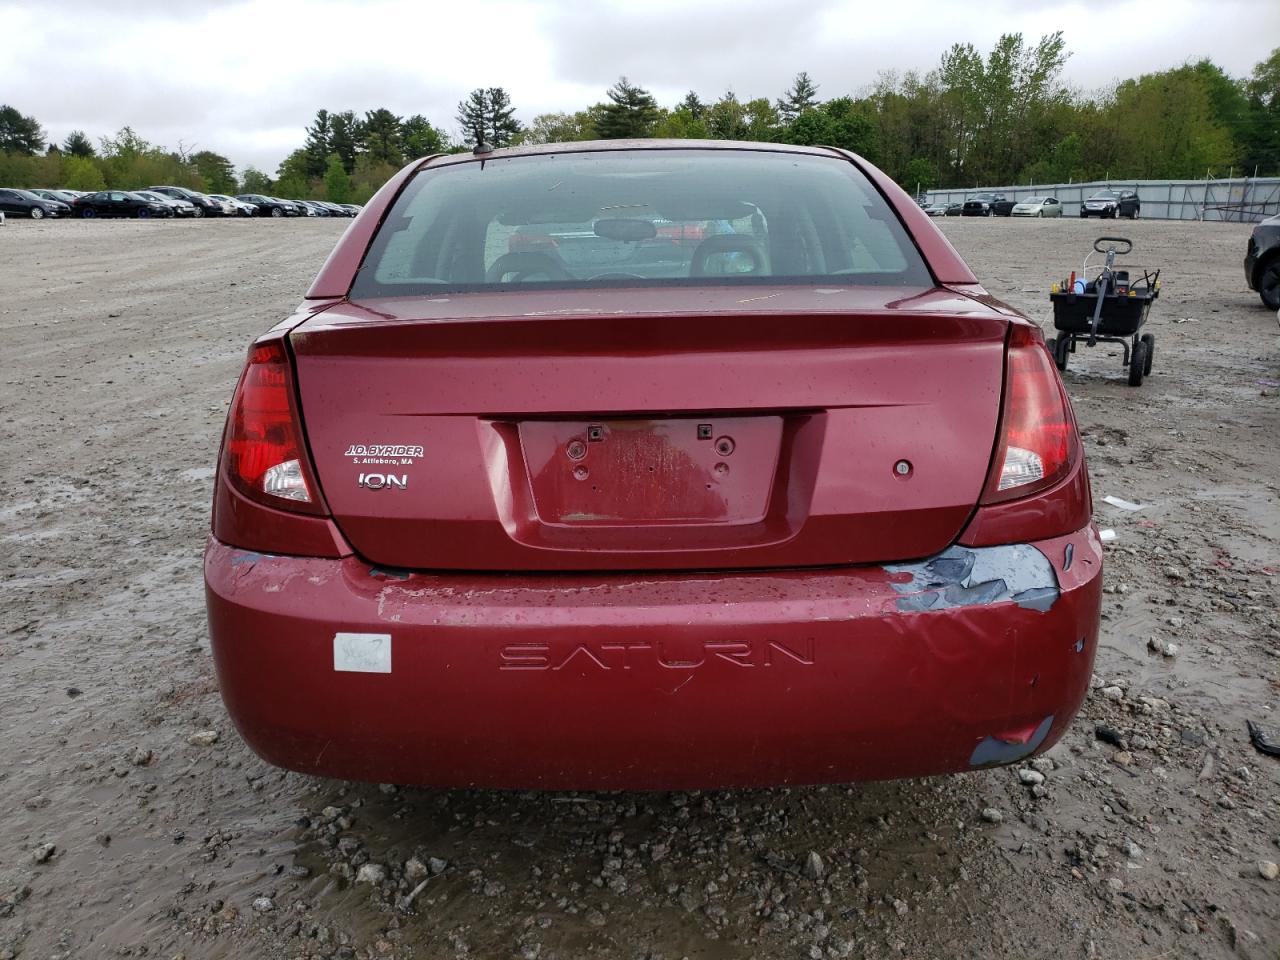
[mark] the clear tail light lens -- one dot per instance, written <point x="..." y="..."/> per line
<point x="264" y="457"/>
<point x="1038" y="442"/>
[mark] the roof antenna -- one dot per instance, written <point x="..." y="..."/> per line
<point x="481" y="147"/>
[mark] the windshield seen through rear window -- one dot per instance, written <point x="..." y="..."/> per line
<point x="638" y="217"/>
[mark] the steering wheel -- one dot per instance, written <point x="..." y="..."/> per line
<point x="618" y="276"/>
<point x="526" y="265"/>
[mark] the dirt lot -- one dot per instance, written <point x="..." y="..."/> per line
<point x="121" y="343"/>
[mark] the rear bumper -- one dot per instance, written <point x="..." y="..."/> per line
<point x="655" y="681"/>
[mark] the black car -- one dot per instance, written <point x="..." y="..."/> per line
<point x="268" y="206"/>
<point x="205" y="206"/>
<point x="303" y="209"/>
<point x="120" y="203"/>
<point x="987" y="205"/>
<point x="24" y="203"/>
<point x="1262" y="262"/>
<point x="1112" y="204"/>
<point x="58" y="196"/>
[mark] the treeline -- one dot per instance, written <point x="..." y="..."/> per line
<point x="1006" y="117"/>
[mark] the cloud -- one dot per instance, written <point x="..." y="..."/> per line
<point x="245" y="77"/>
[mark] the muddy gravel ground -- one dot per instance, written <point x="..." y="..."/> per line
<point x="134" y="822"/>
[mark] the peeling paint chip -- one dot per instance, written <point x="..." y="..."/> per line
<point x="362" y="652"/>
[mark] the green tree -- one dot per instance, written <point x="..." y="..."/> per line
<point x="216" y="170"/>
<point x="81" y="173"/>
<point x="918" y="175"/>
<point x="382" y="137"/>
<point x="1000" y="112"/>
<point x="254" y="181"/>
<point x="836" y="123"/>
<point x="369" y="176"/>
<point x="420" y="138"/>
<point x="78" y="145"/>
<point x="19" y="133"/>
<point x="503" y="124"/>
<point x="802" y="96"/>
<point x="727" y="119"/>
<point x="1260" y="134"/>
<point x="473" y="118"/>
<point x="319" y="144"/>
<point x="337" y="182"/>
<point x="1162" y="126"/>
<point x="128" y="162"/>
<point x="763" y="122"/>
<point x="692" y="105"/>
<point x="630" y="113"/>
<point x="292" y="181"/>
<point x="17" y="170"/>
<point x="683" y="123"/>
<point x="489" y="114"/>
<point x="346" y="139"/>
<point x="559" y="128"/>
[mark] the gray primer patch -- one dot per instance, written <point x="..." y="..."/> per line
<point x="240" y="557"/>
<point x="975" y="576"/>
<point x="391" y="573"/>
<point x="993" y="752"/>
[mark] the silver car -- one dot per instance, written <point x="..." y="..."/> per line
<point x="238" y="207"/>
<point x="1038" y="207"/>
<point x="180" y="207"/>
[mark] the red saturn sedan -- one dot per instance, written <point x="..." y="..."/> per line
<point x="650" y="465"/>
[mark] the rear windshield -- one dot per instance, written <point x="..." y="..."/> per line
<point x="638" y="217"/>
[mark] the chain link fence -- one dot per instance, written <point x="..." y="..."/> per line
<point x="1238" y="200"/>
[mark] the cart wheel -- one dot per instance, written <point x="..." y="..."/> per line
<point x="1060" y="349"/>
<point x="1150" y="340"/>
<point x="1137" y="363"/>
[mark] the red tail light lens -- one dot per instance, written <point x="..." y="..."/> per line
<point x="263" y="456"/>
<point x="1038" y="442"/>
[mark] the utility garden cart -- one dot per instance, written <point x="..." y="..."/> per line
<point x="1108" y="309"/>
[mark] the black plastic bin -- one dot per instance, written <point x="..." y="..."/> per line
<point x="1122" y="314"/>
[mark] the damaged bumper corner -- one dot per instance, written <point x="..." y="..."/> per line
<point x="972" y="658"/>
<point x="965" y="576"/>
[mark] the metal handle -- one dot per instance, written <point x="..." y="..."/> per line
<point x="1128" y="244"/>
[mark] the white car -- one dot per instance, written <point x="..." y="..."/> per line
<point x="238" y="208"/>
<point x="1038" y="207"/>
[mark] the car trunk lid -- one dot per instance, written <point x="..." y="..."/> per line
<point x="704" y="428"/>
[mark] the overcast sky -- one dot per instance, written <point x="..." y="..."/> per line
<point x="244" y="77"/>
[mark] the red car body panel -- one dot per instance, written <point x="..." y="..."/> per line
<point x="666" y="681"/>
<point x="656" y="537"/>
<point x="888" y="376"/>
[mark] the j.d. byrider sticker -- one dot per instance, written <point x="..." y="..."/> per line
<point x="393" y="454"/>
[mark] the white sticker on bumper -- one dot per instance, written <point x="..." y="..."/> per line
<point x="362" y="652"/>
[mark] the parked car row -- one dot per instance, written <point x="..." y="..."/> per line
<point x="160" y="201"/>
<point x="1104" y="203"/>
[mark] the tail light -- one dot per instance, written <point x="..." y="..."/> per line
<point x="264" y="457"/>
<point x="1038" y="443"/>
